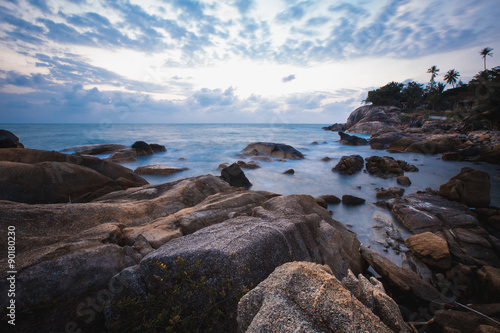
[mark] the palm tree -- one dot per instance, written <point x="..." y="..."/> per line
<point x="486" y="52"/>
<point x="433" y="71"/>
<point x="451" y="77"/>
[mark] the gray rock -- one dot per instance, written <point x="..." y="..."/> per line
<point x="304" y="297"/>
<point x="278" y="150"/>
<point x="349" y="165"/>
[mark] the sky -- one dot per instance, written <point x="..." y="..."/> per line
<point x="231" y="61"/>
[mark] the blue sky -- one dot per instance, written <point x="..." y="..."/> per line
<point x="286" y="61"/>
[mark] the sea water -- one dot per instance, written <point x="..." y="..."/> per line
<point x="202" y="147"/>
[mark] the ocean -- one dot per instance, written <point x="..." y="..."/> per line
<point x="203" y="147"/>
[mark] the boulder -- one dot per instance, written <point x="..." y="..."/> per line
<point x="351" y="140"/>
<point x="329" y="198"/>
<point x="235" y="176"/>
<point x="431" y="249"/>
<point x="326" y="159"/>
<point x="305" y="297"/>
<point x="386" y="140"/>
<point x="403" y="181"/>
<point x="157" y="148"/>
<point x="123" y="156"/>
<point x="351" y="200"/>
<point x="403" y="279"/>
<point x="372" y="294"/>
<point x="488" y="280"/>
<point x="371" y="119"/>
<point x="335" y="127"/>
<point x="203" y="275"/>
<point x="9" y="140"/>
<point x="386" y="166"/>
<point x="249" y="165"/>
<point x="38" y="176"/>
<point x="289" y="172"/>
<point x="466" y="321"/>
<point x="142" y="148"/>
<point x="470" y="186"/>
<point x="154" y="169"/>
<point x="278" y="150"/>
<point x="97" y="149"/>
<point x="391" y="192"/>
<point x="349" y="165"/>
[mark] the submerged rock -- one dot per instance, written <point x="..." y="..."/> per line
<point x="348" y="199"/>
<point x="278" y="150"/>
<point x="289" y="172"/>
<point x="391" y="192"/>
<point x="349" y="165"/>
<point x="305" y="297"/>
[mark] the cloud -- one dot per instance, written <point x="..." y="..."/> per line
<point x="41" y="4"/>
<point x="295" y="12"/>
<point x="288" y="78"/>
<point x="244" y="6"/>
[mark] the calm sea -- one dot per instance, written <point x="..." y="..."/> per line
<point x="205" y="146"/>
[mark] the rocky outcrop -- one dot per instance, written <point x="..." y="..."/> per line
<point x="335" y="127"/>
<point x="9" y="140"/>
<point x="235" y="176"/>
<point x="352" y="200"/>
<point x="371" y="119"/>
<point x="386" y="166"/>
<point x="278" y="150"/>
<point x="389" y="193"/>
<point x="470" y="186"/>
<point x="155" y="169"/>
<point x="306" y="297"/>
<point x="203" y="275"/>
<point x="351" y="140"/>
<point x="349" y="165"/>
<point x="38" y="176"/>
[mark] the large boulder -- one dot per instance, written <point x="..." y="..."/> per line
<point x="371" y="119"/>
<point x="306" y="297"/>
<point x="9" y="140"/>
<point x="142" y="148"/>
<point x="38" y="176"/>
<point x="202" y="275"/>
<point x="278" y="150"/>
<point x="235" y="176"/>
<point x="386" y="166"/>
<point x="351" y="140"/>
<point x="470" y="186"/>
<point x="349" y="165"/>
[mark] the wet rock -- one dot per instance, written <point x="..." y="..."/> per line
<point x="391" y="139"/>
<point x="154" y="169"/>
<point x="142" y="148"/>
<point x="383" y="167"/>
<point x="349" y="165"/>
<point x="335" y="127"/>
<point x="39" y="176"/>
<point x="157" y="148"/>
<point x="403" y="279"/>
<point x="348" y="199"/>
<point x="488" y="279"/>
<point x="372" y="119"/>
<point x="391" y="192"/>
<point x="403" y="180"/>
<point x="331" y="199"/>
<point x="470" y="186"/>
<point x="351" y="140"/>
<point x="289" y="172"/>
<point x="278" y="150"/>
<point x="262" y="158"/>
<point x="278" y="305"/>
<point x="249" y="165"/>
<point x="321" y="202"/>
<point x="326" y="159"/>
<point x="431" y="249"/>
<point x="235" y="176"/>
<point x="9" y="140"/>
<point x="123" y="156"/>
<point x="98" y="149"/>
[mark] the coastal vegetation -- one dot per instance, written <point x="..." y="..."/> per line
<point x="477" y="100"/>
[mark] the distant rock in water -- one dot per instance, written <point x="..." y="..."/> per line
<point x="39" y="176"/>
<point x="157" y="148"/>
<point x="371" y="119"/>
<point x="289" y="172"/>
<point x="158" y="170"/>
<point x="142" y="148"/>
<point x="98" y="149"/>
<point x="351" y="140"/>
<point x="278" y="150"/>
<point x="235" y="176"/>
<point x="335" y="127"/>
<point x="352" y="200"/>
<point x="9" y="140"/>
<point x="123" y="156"/>
<point x="349" y="165"/>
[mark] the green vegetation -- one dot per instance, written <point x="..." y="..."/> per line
<point x="477" y="100"/>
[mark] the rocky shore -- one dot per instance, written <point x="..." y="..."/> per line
<point x="100" y="249"/>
